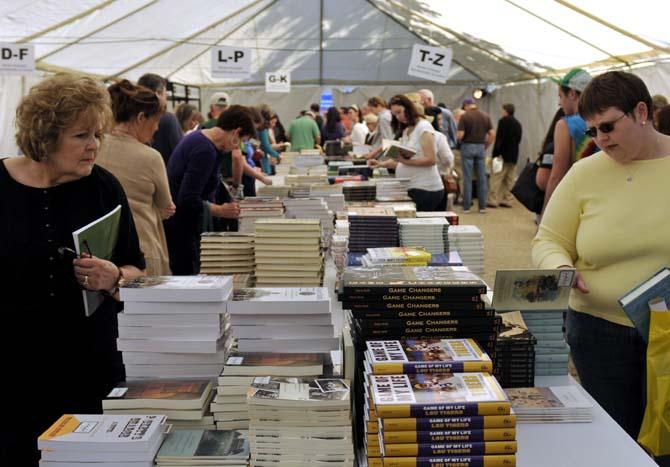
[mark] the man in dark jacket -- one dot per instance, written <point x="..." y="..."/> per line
<point x="508" y="137"/>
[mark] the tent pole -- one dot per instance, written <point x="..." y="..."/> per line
<point x="321" y="43"/>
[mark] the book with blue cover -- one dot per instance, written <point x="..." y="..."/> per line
<point x="654" y="293"/>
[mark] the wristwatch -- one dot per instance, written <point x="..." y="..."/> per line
<point x="120" y="282"/>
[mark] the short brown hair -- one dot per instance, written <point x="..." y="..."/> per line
<point x="376" y="101"/>
<point x="509" y="108"/>
<point x="128" y="101"/>
<point x="237" y="116"/>
<point x="614" y="89"/>
<point x="55" y="104"/>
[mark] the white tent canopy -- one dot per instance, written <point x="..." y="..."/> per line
<point x="362" y="44"/>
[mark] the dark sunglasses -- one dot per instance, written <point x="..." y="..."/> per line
<point x="606" y="127"/>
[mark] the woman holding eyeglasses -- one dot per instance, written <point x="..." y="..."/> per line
<point x="607" y="219"/>
<point x="57" y="359"/>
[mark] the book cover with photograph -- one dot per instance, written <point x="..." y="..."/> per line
<point x="159" y="394"/>
<point x="300" y="392"/>
<point x="532" y="289"/>
<point x="651" y="295"/>
<point x="184" y="447"/>
<point x="258" y="364"/>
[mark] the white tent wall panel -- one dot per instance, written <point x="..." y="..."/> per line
<point x="12" y="89"/>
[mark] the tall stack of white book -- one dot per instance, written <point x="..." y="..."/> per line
<point x="288" y="253"/>
<point x="102" y="441"/>
<point x="468" y="241"/>
<point x="226" y="253"/>
<point x="175" y="326"/>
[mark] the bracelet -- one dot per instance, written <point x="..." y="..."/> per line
<point x="120" y="281"/>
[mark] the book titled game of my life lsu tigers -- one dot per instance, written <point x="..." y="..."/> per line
<point x="437" y="395"/>
<point x="393" y="357"/>
<point x="504" y="460"/>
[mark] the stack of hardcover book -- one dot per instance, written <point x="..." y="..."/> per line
<point x="469" y="242"/>
<point x="451" y="216"/>
<point x="372" y="228"/>
<point x="431" y="233"/>
<point x="200" y="448"/>
<point x="554" y="404"/>
<point x="359" y="191"/>
<point x="175" y="326"/>
<point x="288" y="253"/>
<point x="300" y="422"/>
<point x="292" y="320"/>
<point x="252" y="209"/>
<point x="226" y="253"/>
<point x="102" y="440"/>
<point x="542" y="297"/>
<point x="515" y="353"/>
<point x="230" y="405"/>
<point x="440" y="419"/>
<point x="392" y="189"/>
<point x="185" y="403"/>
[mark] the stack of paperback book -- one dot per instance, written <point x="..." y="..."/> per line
<point x="241" y="370"/>
<point x="287" y="158"/>
<point x="342" y="227"/>
<point x="282" y="320"/>
<point x="226" y="253"/>
<point x="404" y="210"/>
<point x="339" y="249"/>
<point x="515" y="353"/>
<point x="431" y="233"/>
<point x="199" y="448"/>
<point x="396" y="256"/>
<point x="417" y="416"/>
<point x="469" y="242"/>
<point x="252" y="209"/>
<point x="451" y="216"/>
<point x="392" y="189"/>
<point x="273" y="191"/>
<point x="175" y="326"/>
<point x="288" y="253"/>
<point x="372" y="228"/>
<point x="185" y="403"/>
<point x="542" y="297"/>
<point x="308" y="158"/>
<point x="300" y="422"/>
<point x="312" y="208"/>
<point x="359" y="191"/>
<point x="306" y="179"/>
<point x="334" y="166"/>
<point x="331" y="194"/>
<point x="554" y="404"/>
<point x="102" y="440"/>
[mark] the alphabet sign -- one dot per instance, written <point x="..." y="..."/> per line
<point x="17" y="59"/>
<point x="231" y="62"/>
<point x="279" y="81"/>
<point x="431" y="63"/>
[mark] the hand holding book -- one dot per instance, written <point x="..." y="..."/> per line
<point x="95" y="273"/>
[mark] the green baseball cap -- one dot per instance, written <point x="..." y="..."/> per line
<point x="576" y="79"/>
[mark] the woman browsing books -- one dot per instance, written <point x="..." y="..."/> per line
<point x="58" y="360"/>
<point x="425" y="185"/>
<point x="607" y="220"/>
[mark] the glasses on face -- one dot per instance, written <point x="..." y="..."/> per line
<point x="605" y="127"/>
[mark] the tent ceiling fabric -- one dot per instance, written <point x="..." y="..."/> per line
<point x="364" y="41"/>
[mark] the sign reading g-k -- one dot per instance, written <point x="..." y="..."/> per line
<point x="279" y="81"/>
<point x="231" y="62"/>
<point x="17" y="59"/>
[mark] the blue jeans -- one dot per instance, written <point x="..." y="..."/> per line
<point x="611" y="362"/>
<point x="473" y="155"/>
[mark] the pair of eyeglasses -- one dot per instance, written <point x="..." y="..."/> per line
<point x="605" y="127"/>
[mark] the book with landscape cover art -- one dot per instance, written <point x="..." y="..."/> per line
<point x="164" y="394"/>
<point x="532" y="289"/>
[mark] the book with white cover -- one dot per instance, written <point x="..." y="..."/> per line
<point x="177" y="289"/>
<point x="288" y="300"/>
<point x="170" y="320"/>
<point x="282" y="332"/>
<point x="172" y="345"/>
<point x="174" y="308"/>
<point x="135" y="433"/>
<point x="320" y="345"/>
<point x="168" y="358"/>
<point x="281" y="320"/>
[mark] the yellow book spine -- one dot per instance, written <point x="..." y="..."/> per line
<point x="483" y="461"/>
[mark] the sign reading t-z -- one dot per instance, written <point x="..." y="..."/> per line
<point x="231" y="62"/>
<point x="17" y="59"/>
<point x="430" y="63"/>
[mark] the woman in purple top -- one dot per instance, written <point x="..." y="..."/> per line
<point x="193" y="176"/>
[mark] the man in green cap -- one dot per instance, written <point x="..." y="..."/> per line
<point x="570" y="141"/>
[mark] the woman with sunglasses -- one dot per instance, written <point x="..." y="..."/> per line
<point x="607" y="220"/>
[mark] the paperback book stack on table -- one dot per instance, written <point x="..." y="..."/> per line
<point x="554" y="404"/>
<point x="102" y="441"/>
<point x="469" y="242"/>
<point x="240" y="372"/>
<point x="288" y="253"/>
<point x="451" y="216"/>
<point x="359" y="191"/>
<point x="185" y="403"/>
<point x="431" y="233"/>
<point x="200" y="448"/>
<point x="291" y="319"/>
<point x="542" y="297"/>
<point x="226" y="253"/>
<point x="252" y="209"/>
<point x="312" y="208"/>
<point x="372" y="228"/>
<point x="402" y="210"/>
<point x="175" y="326"/>
<point x="515" y="353"/>
<point x="339" y="251"/>
<point x="287" y="159"/>
<point x="417" y="416"/>
<point x="392" y="189"/>
<point x="331" y="194"/>
<point x="273" y="191"/>
<point x="308" y="158"/>
<point x="334" y="166"/>
<point x="300" y="422"/>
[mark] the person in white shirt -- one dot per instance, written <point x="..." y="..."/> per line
<point x="359" y="130"/>
<point x="425" y="184"/>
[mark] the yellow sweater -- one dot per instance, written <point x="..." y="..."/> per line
<point x="612" y="222"/>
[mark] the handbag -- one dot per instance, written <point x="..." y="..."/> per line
<point x="526" y="190"/>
